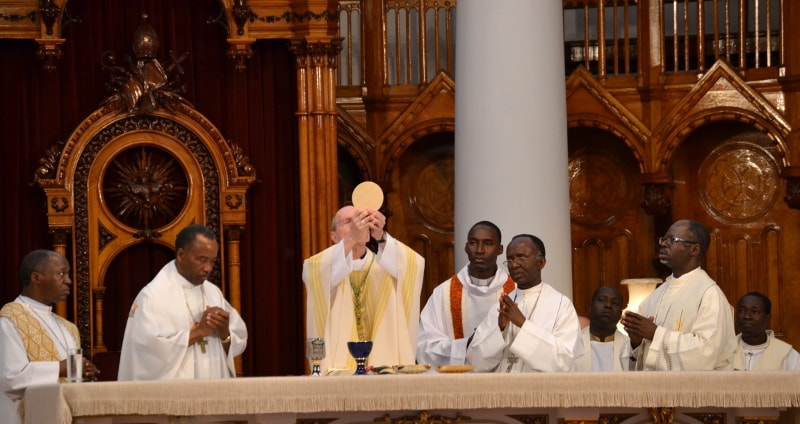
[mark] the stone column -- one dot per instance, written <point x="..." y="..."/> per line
<point x="511" y="127"/>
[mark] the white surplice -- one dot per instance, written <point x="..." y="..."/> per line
<point x="695" y="327"/>
<point x="602" y="356"/>
<point x="18" y="372"/>
<point x="436" y="343"/>
<point x="156" y="340"/>
<point x="548" y="340"/>
<point x="774" y="355"/>
<point x="391" y="281"/>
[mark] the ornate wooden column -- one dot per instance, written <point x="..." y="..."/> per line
<point x="312" y="25"/>
<point x="61" y="237"/>
<point x="233" y="267"/>
<point x="316" y="123"/>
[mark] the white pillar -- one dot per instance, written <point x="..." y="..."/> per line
<point x="511" y="127"/>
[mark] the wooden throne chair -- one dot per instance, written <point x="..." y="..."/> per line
<point x="126" y="181"/>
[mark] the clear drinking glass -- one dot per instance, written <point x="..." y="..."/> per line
<point x="315" y="352"/>
<point x="75" y="365"/>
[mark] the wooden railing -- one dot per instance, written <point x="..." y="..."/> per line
<point x="615" y="21"/>
<point x="418" y="37"/>
<point x="746" y="33"/>
<point x="417" y="41"/>
<point x="692" y="34"/>
<point x="350" y="71"/>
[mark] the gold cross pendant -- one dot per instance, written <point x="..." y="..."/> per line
<point x="202" y="343"/>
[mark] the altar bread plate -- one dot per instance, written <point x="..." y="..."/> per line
<point x="412" y="369"/>
<point x="454" y="368"/>
<point x="368" y="195"/>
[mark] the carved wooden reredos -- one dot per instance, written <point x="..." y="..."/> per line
<point x="136" y="171"/>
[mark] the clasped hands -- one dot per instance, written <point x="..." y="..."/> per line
<point x="214" y="320"/>
<point x="638" y="327"/>
<point x="509" y="312"/>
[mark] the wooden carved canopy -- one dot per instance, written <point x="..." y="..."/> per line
<point x="137" y="171"/>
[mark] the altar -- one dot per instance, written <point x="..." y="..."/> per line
<point x="553" y="398"/>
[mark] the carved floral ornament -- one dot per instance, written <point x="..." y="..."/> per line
<point x="245" y="22"/>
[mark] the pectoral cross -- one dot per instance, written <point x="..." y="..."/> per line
<point x="202" y="343"/>
<point x="511" y="361"/>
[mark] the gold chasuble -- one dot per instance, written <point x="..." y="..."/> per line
<point x="379" y="302"/>
<point x="37" y="340"/>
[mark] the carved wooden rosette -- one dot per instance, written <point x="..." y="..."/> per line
<point x="121" y="180"/>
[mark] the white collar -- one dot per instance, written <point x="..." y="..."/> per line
<point x="36" y="305"/>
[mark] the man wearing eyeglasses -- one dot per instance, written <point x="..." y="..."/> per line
<point x="534" y="328"/>
<point x="687" y="323"/>
<point x="458" y="305"/>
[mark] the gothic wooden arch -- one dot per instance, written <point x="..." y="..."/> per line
<point x="610" y="125"/>
<point x="407" y="138"/>
<point x="705" y="104"/>
<point x="135" y="172"/>
<point x="357" y="142"/>
<point x="672" y="139"/>
<point x="590" y="104"/>
<point x="217" y="176"/>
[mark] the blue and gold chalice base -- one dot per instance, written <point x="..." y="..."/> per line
<point x="360" y="352"/>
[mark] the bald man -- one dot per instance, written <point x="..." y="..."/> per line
<point x="355" y="294"/>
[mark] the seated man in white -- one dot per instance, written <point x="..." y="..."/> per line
<point x="757" y="348"/>
<point x="603" y="342"/>
<point x="532" y="329"/>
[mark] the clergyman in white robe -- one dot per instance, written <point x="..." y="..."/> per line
<point x="774" y="355"/>
<point x="602" y="355"/>
<point x="155" y="346"/>
<point x="439" y="341"/>
<point x="19" y="371"/>
<point x="389" y="285"/>
<point x="688" y="337"/>
<point x="547" y="342"/>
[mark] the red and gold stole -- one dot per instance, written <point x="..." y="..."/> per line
<point x="456" y="289"/>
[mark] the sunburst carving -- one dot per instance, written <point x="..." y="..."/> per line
<point x="145" y="188"/>
<point x="131" y="124"/>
